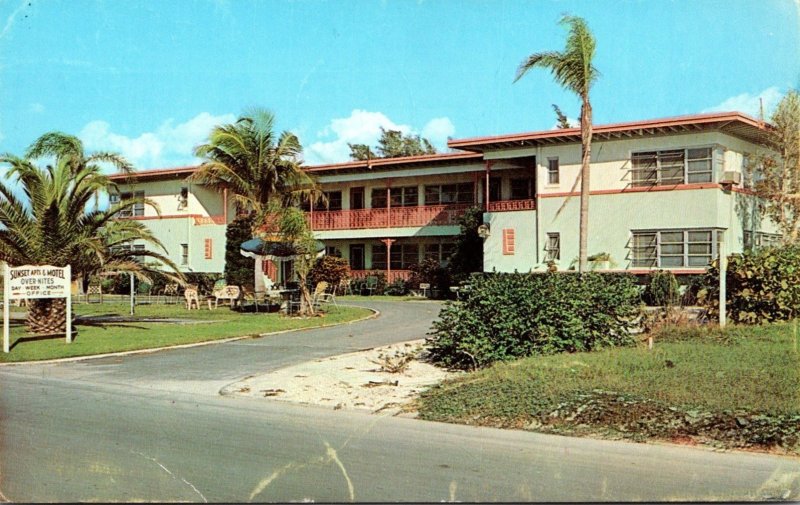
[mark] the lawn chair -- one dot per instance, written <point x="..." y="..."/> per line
<point x="345" y="286"/>
<point x="327" y="297"/>
<point x="170" y="293"/>
<point x="317" y="293"/>
<point x="255" y="297"/>
<point x="190" y="294"/>
<point x="370" y="285"/>
<point x="231" y="293"/>
<point x="144" y="290"/>
<point x="94" y="290"/>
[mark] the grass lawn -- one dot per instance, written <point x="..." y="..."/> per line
<point x="734" y="388"/>
<point x="99" y="338"/>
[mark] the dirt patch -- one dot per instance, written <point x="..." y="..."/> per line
<point x="358" y="380"/>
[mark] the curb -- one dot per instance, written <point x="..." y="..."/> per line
<point x="375" y="314"/>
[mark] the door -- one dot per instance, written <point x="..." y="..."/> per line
<point x="357" y="256"/>
<point x="357" y="198"/>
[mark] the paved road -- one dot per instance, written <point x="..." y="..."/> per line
<point x="151" y="427"/>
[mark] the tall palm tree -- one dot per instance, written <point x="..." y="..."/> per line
<point x="572" y="68"/>
<point x="262" y="172"/>
<point x="53" y="222"/>
<point x="257" y="166"/>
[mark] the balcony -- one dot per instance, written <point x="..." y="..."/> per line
<point x="511" y="205"/>
<point x="394" y="217"/>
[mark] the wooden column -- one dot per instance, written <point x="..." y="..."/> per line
<point x="388" y="242"/>
<point x="486" y="195"/>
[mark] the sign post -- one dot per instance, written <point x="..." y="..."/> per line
<point x="36" y="281"/>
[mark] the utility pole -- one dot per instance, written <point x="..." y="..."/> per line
<point x="723" y="274"/>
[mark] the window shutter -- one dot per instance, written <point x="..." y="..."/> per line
<point x="508" y="241"/>
<point x="208" y="249"/>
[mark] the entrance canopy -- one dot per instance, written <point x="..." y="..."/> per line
<point x="275" y="251"/>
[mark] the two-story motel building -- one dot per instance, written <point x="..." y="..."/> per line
<point x="664" y="193"/>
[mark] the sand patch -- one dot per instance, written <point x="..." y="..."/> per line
<point x="357" y="380"/>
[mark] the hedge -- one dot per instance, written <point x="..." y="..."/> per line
<point x="762" y="286"/>
<point x="507" y="316"/>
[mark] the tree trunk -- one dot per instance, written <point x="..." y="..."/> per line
<point x="586" y="156"/>
<point x="47" y="315"/>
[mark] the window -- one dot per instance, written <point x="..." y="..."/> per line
<point x="378" y="198"/>
<point x="752" y="171"/>
<point x="553" y="247"/>
<point x="674" y="248"/>
<point x="183" y="198"/>
<point x="402" y="256"/>
<point x="333" y="201"/>
<point x="495" y="189"/>
<point x="675" y="166"/>
<point x="439" y="252"/>
<point x="761" y="240"/>
<point x="184" y="254"/>
<point x="136" y="210"/>
<point x="333" y="251"/>
<point x="552" y="171"/>
<point x="443" y="194"/>
<point x="405" y="197"/>
<point x="208" y="250"/>
<point x="508" y="241"/>
<point x="522" y="189"/>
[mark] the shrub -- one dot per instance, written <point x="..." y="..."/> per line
<point x="330" y="269"/>
<point x="762" y="286"/>
<point x="431" y="272"/>
<point x="507" y="316"/>
<point x="238" y="269"/>
<point x="397" y="288"/>
<point x="662" y="290"/>
<point x="121" y="284"/>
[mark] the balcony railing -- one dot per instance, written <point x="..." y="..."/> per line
<point x="509" y="205"/>
<point x="394" y="217"/>
<point x="393" y="274"/>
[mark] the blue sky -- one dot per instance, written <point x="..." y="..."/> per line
<point x="150" y="78"/>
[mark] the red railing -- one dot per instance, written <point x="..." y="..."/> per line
<point x="395" y="217"/>
<point x="393" y="275"/>
<point x="509" y="205"/>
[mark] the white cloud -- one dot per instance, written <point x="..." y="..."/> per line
<point x="36" y="108"/>
<point x="438" y="130"/>
<point x="364" y="127"/>
<point x="168" y="146"/>
<point x="749" y="104"/>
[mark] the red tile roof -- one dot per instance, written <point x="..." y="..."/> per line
<point x="735" y="123"/>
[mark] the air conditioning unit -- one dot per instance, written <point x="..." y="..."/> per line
<point x="731" y="177"/>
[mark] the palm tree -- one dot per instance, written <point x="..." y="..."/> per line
<point x="573" y="69"/>
<point x="255" y="165"/>
<point x="52" y="221"/>
<point x="262" y="172"/>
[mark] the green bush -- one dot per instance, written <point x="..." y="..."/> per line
<point x="238" y="269"/>
<point x="121" y="284"/>
<point x="662" y="290"/>
<point x="762" y="286"/>
<point x="507" y="316"/>
<point x="397" y="288"/>
<point x="329" y="269"/>
<point x="431" y="272"/>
